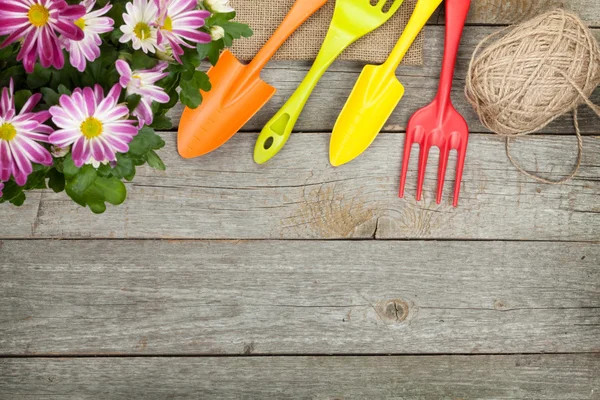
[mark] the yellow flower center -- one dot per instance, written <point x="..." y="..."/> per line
<point x="80" y="23"/>
<point x="38" y="15"/>
<point x="168" y="25"/>
<point x="142" y="30"/>
<point x="7" y="131"/>
<point x="91" y="128"/>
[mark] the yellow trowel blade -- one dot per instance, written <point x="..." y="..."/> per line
<point x="372" y="101"/>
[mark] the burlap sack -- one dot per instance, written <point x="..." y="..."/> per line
<point x="264" y="16"/>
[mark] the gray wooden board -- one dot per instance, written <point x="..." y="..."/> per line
<point x="456" y="377"/>
<point x="97" y="297"/>
<point x="225" y="195"/>
<point x="510" y="12"/>
<point x="421" y="85"/>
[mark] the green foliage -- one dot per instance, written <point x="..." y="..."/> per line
<point x="96" y="187"/>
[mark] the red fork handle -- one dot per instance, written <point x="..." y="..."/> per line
<point x="456" y="16"/>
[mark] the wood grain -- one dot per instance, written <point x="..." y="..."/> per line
<point x="510" y="12"/>
<point x="298" y="297"/>
<point x="421" y="84"/>
<point x="298" y="195"/>
<point x="482" y="377"/>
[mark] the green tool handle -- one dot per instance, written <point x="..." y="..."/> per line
<point x="278" y="130"/>
<point x="423" y="11"/>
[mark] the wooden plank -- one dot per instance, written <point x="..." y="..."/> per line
<point x="497" y="377"/>
<point x="421" y="84"/>
<point x="298" y="195"/>
<point x="298" y="297"/>
<point x="510" y="12"/>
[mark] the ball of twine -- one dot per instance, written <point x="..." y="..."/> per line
<point x="536" y="72"/>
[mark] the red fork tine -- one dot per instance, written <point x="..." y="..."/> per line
<point x="460" y="164"/>
<point x="423" y="156"/>
<point x="444" y="155"/>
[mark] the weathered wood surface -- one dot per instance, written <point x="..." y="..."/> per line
<point x="269" y="297"/>
<point x="482" y="377"/>
<point x="510" y="12"/>
<point x="97" y="297"/>
<point x="298" y="195"/>
<point x="421" y="84"/>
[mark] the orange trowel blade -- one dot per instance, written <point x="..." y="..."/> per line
<point x="237" y="91"/>
<point x="224" y="110"/>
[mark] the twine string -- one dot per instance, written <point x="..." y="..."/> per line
<point x="538" y="71"/>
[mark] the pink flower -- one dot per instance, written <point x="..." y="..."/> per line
<point x="19" y="137"/>
<point x="179" y="20"/>
<point x="92" y="24"/>
<point x="95" y="125"/>
<point x="142" y="82"/>
<point x="37" y="22"/>
<point x="1" y="187"/>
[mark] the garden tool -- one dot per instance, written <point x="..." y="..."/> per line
<point x="375" y="95"/>
<point x="352" y="19"/>
<point x="237" y="91"/>
<point x="439" y="124"/>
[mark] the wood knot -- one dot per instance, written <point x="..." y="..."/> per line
<point x="395" y="310"/>
<point x="500" y="305"/>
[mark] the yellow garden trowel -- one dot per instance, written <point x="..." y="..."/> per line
<point x="375" y="95"/>
<point x="352" y="19"/>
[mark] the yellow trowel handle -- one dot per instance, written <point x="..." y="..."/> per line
<point x="278" y="130"/>
<point x="423" y="11"/>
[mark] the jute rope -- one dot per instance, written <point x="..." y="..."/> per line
<point x="536" y="72"/>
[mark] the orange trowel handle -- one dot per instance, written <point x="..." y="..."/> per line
<point x="299" y="13"/>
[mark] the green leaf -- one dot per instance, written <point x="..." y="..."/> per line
<point x="21" y="97"/>
<point x="236" y="30"/>
<point x="69" y="168"/>
<point x="83" y="180"/>
<point x="11" y="190"/>
<point x="62" y="89"/>
<point x="141" y="60"/>
<point x="56" y="180"/>
<point x="190" y="91"/>
<point x="18" y="200"/>
<point x="14" y="72"/>
<point x="124" y="168"/>
<point x="190" y="96"/>
<point x="102" y="190"/>
<point x="144" y="141"/>
<point x="50" y="96"/>
<point x="112" y="190"/>
<point x="161" y="122"/>
<point x="37" y="179"/>
<point x="154" y="161"/>
<point x="39" y="77"/>
<point x="132" y="101"/>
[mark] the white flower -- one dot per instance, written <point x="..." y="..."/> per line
<point x="58" y="152"/>
<point x="219" y="6"/>
<point x="140" y="25"/>
<point x="217" y="33"/>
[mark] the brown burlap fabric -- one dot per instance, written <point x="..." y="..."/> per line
<point x="264" y="16"/>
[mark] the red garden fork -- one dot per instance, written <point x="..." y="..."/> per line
<point x="439" y="124"/>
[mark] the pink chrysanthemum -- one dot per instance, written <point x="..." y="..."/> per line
<point x="19" y="137"/>
<point x="179" y="20"/>
<point x="95" y="125"/>
<point x="93" y="24"/>
<point x="142" y="82"/>
<point x="38" y="22"/>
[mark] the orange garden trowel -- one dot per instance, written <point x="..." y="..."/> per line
<point x="237" y="91"/>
